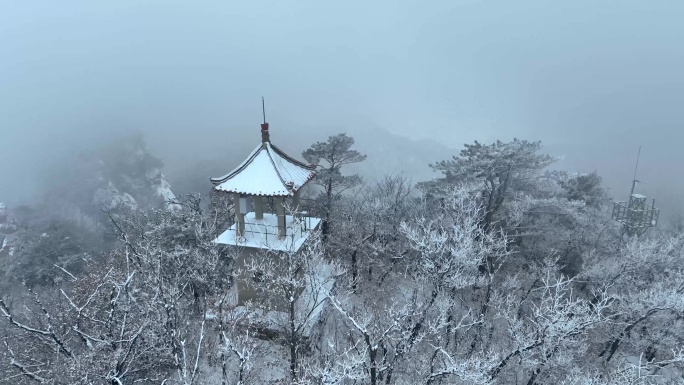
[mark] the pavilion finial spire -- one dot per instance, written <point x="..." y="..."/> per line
<point x="265" y="137"/>
<point x="263" y="108"/>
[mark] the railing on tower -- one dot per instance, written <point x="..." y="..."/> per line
<point x="635" y="216"/>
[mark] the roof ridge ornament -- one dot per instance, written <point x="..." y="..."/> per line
<point x="265" y="136"/>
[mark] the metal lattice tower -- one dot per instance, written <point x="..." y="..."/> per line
<point x="635" y="215"/>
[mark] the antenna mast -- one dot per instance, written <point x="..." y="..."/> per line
<point x="633" y="215"/>
<point x="634" y="180"/>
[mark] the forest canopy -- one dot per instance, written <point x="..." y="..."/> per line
<point x="500" y="270"/>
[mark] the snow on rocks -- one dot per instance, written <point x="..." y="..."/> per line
<point x="111" y="197"/>
<point x="162" y="189"/>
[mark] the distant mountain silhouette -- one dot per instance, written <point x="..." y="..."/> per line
<point x="387" y="154"/>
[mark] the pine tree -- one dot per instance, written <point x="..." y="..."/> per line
<point x="330" y="156"/>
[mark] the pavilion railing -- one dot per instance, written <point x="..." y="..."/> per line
<point x="295" y="230"/>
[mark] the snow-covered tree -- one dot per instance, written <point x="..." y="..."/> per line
<point x="330" y="157"/>
<point x="500" y="167"/>
<point x="367" y="239"/>
<point x="137" y="316"/>
<point x="647" y="281"/>
<point x="400" y="317"/>
<point x="292" y="287"/>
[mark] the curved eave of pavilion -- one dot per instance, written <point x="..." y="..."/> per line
<point x="258" y="194"/>
<point x="242" y="166"/>
<point x="310" y="167"/>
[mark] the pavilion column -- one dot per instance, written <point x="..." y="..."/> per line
<point x="295" y="201"/>
<point x="239" y="216"/>
<point x="258" y="207"/>
<point x="280" y="209"/>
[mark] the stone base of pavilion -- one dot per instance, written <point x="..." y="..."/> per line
<point x="263" y="233"/>
<point x="268" y="321"/>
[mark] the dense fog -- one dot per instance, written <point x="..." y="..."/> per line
<point x="591" y="80"/>
<point x="432" y="203"/>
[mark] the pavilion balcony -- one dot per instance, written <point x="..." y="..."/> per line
<point x="265" y="234"/>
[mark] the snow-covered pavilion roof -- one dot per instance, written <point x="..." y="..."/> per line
<point x="267" y="171"/>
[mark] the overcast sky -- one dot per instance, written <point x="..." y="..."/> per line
<point x="591" y="79"/>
